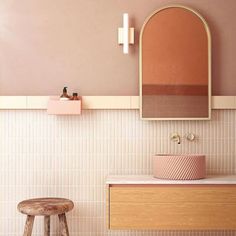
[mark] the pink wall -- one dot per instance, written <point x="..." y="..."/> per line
<point x="45" y="45"/>
<point x="175" y="49"/>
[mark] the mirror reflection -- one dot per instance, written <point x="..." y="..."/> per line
<point x="175" y="65"/>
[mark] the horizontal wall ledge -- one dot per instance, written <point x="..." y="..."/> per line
<point x="98" y="102"/>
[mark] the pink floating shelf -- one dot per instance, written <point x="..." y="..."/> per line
<point x="58" y="107"/>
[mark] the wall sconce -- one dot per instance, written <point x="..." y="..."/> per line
<point x="126" y="34"/>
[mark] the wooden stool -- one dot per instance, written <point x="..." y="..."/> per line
<point x="46" y="207"/>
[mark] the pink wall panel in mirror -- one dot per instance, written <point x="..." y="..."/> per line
<point x="175" y="67"/>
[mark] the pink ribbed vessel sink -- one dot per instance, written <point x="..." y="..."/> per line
<point x="179" y="167"/>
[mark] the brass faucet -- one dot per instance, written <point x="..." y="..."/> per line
<point x="175" y="137"/>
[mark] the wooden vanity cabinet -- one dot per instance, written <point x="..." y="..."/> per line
<point x="171" y="207"/>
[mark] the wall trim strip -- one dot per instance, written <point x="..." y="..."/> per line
<point x="97" y="102"/>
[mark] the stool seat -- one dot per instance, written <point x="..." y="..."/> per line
<point x="45" y="206"/>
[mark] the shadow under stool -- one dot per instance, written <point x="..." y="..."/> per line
<point x="46" y="207"/>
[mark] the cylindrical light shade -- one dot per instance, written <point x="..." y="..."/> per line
<point x="125" y="33"/>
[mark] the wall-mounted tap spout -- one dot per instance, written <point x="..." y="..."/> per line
<point x="175" y="137"/>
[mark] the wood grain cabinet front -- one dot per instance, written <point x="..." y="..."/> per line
<point x="175" y="207"/>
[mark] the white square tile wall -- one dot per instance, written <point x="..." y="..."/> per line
<point x="70" y="156"/>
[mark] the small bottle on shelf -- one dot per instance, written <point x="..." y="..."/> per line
<point x="75" y="96"/>
<point x="65" y="96"/>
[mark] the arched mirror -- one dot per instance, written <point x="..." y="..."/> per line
<point x="175" y="66"/>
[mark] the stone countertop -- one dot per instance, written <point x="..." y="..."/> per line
<point x="149" y="179"/>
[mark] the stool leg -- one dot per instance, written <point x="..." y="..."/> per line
<point x="46" y="225"/>
<point x="63" y="225"/>
<point x="29" y="225"/>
